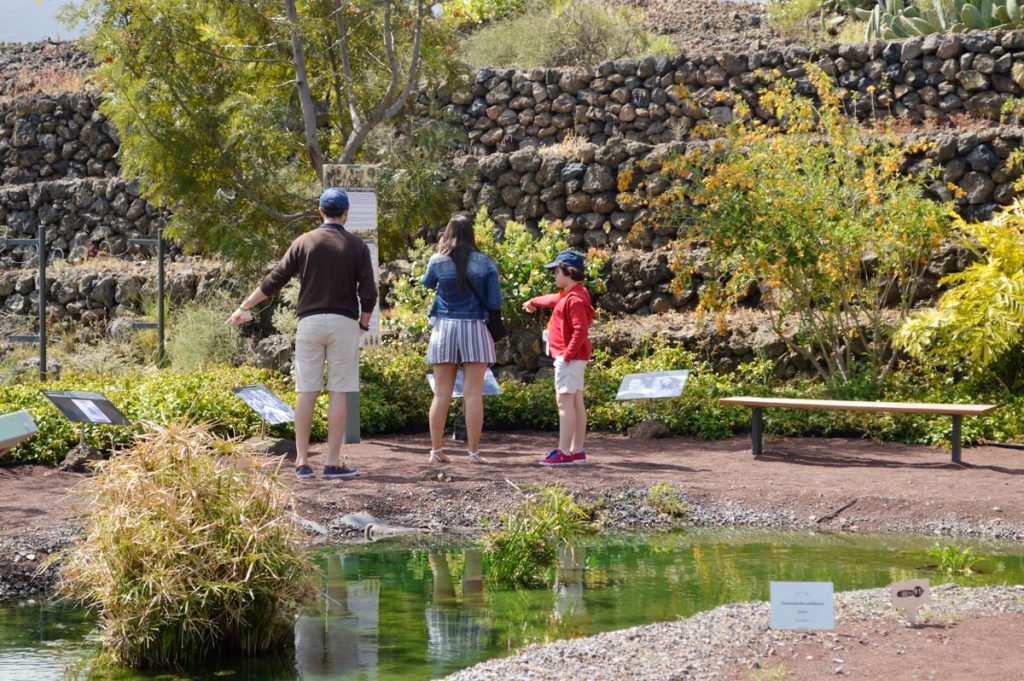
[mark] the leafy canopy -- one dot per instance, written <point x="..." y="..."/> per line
<point x="227" y="110"/>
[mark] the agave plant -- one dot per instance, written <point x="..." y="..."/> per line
<point x="894" y="19"/>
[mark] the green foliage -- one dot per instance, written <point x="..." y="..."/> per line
<point x="664" y="498"/>
<point x="188" y="551"/>
<point x="475" y="12"/>
<point x="951" y="559"/>
<point x="197" y="337"/>
<point x="821" y="218"/>
<point x="521" y="551"/>
<point x="284" y="318"/>
<point x="568" y="33"/>
<point x="979" y="323"/>
<point x="895" y="19"/>
<point x="204" y="96"/>
<point x="520" y="256"/>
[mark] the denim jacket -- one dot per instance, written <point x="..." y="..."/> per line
<point x="449" y="303"/>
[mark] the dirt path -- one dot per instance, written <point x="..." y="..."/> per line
<point x="846" y="484"/>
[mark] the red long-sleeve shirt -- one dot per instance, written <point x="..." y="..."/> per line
<point x="569" y="328"/>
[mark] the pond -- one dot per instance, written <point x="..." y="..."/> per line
<point x="390" y="612"/>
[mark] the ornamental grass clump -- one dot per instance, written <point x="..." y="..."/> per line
<point x="189" y="551"/>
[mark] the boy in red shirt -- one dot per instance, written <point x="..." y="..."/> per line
<point x="569" y="344"/>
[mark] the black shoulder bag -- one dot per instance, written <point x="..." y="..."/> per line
<point x="495" y="324"/>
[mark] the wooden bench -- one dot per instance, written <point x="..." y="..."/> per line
<point x="758" y="404"/>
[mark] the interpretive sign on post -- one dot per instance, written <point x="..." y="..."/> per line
<point x="803" y="605"/>
<point x="652" y="385"/>
<point x="262" y="400"/>
<point x="491" y="386"/>
<point x="85" y="407"/>
<point x="15" y="428"/>
<point x="910" y="596"/>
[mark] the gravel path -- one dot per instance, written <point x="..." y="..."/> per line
<point x="733" y="641"/>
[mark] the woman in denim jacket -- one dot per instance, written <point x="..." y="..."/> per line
<point x="467" y="287"/>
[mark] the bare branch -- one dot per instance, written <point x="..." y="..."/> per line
<point x="313" y="150"/>
<point x="254" y="197"/>
<point x="346" y="63"/>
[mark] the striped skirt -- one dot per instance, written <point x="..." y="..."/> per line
<point x="458" y="341"/>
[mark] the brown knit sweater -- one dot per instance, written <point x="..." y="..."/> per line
<point x="335" y="273"/>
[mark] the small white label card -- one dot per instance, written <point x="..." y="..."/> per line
<point x="910" y="596"/>
<point x="803" y="605"/>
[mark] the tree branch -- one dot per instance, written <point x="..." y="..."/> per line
<point x="313" y="151"/>
<point x="346" y="63"/>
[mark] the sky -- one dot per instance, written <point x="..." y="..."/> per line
<point x="29" y="20"/>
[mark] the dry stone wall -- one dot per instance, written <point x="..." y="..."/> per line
<point x="659" y="100"/>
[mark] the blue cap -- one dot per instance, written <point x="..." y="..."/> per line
<point x="334" y="202"/>
<point x="569" y="258"/>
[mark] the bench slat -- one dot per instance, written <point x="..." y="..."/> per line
<point x="844" y="405"/>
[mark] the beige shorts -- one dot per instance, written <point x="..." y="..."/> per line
<point x="569" y="375"/>
<point x="330" y="339"/>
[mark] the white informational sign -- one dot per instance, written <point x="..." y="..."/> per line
<point x="803" y="605"/>
<point x="372" y="337"/>
<point x="491" y="386"/>
<point x="91" y="411"/>
<point x="81" y="406"/>
<point x="910" y="596"/>
<point x="362" y="209"/>
<point x="653" y="385"/>
<point x="264" y="402"/>
<point x="14" y="428"/>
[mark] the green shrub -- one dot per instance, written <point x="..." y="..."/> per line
<point x="198" y="338"/>
<point x="188" y="551"/>
<point x="527" y="543"/>
<point x="665" y="499"/>
<point x="576" y="32"/>
<point x="951" y="559"/>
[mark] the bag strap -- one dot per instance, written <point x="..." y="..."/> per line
<point x="476" y="295"/>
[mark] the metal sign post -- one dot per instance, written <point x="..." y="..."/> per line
<point x="361" y="184"/>
<point x="158" y="242"/>
<point x="40" y="243"/>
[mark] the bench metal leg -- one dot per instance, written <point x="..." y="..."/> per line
<point x="956" y="439"/>
<point x="756" y="426"/>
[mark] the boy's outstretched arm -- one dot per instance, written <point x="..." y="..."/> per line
<point x="548" y="300"/>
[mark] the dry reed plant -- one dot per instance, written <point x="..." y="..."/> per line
<point x="568" y="147"/>
<point x="189" y="551"/>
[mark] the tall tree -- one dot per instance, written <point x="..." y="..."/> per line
<point x="228" y="110"/>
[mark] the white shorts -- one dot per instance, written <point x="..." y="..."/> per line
<point x="330" y="339"/>
<point x="569" y="375"/>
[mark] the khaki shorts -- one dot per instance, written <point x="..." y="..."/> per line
<point x="569" y="376"/>
<point x="332" y="339"/>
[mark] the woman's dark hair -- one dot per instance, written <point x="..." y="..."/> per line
<point x="458" y="241"/>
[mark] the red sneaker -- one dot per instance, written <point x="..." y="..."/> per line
<point x="557" y="458"/>
<point x="579" y="457"/>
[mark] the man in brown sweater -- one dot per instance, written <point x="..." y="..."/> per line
<point x="337" y="294"/>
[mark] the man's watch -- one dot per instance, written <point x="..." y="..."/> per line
<point x="364" y="327"/>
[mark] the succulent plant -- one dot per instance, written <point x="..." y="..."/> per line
<point x="894" y="19"/>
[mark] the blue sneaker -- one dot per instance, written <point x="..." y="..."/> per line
<point x="340" y="472"/>
<point x="557" y="458"/>
<point x="303" y="472"/>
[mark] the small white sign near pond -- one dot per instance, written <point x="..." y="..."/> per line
<point x="910" y="596"/>
<point x="803" y="605"/>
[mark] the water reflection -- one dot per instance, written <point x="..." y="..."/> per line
<point x="340" y="639"/>
<point x="457" y="629"/>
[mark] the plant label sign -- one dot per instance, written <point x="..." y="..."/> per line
<point x="652" y="385"/>
<point x="14" y="428"/>
<point x="264" y="402"/>
<point x="910" y="597"/>
<point x="803" y="605"/>
<point x="85" y="407"/>
<point x="491" y="386"/>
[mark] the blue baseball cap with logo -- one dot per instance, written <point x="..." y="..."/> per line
<point x="569" y="258"/>
<point x="334" y="202"/>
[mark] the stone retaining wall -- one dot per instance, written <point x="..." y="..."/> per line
<point x="50" y="138"/>
<point x="83" y="217"/>
<point x="582" y="190"/>
<point x="658" y="100"/>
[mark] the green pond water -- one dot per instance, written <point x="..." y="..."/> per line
<point x="389" y="612"/>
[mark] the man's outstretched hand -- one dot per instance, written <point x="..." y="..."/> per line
<point x="239" y="317"/>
